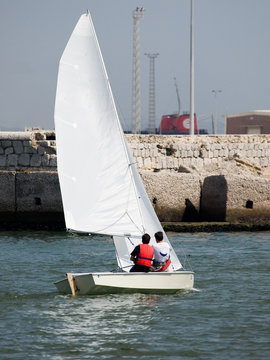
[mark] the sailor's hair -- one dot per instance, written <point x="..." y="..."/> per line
<point x="146" y="238"/>
<point x="159" y="236"/>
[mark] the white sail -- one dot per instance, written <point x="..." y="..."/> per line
<point x="101" y="189"/>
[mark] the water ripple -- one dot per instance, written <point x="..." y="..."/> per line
<point x="227" y="318"/>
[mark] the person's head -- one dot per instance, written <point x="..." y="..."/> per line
<point x="159" y="236"/>
<point x="146" y="238"/>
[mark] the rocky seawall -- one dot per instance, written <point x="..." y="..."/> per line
<point x="189" y="179"/>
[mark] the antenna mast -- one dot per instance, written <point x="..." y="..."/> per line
<point x="152" y="94"/>
<point x="136" y="91"/>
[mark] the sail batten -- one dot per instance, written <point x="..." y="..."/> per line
<point x="101" y="189"/>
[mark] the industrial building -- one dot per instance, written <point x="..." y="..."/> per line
<point x="252" y="122"/>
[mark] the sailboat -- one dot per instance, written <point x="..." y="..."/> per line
<point x="101" y="189"/>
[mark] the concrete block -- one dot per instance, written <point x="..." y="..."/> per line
<point x="40" y="150"/>
<point x="6" y="143"/>
<point x="30" y="150"/>
<point x="3" y="160"/>
<point x="147" y="163"/>
<point x="164" y="163"/>
<point x="12" y="160"/>
<point x="9" y="150"/>
<point x="35" y="160"/>
<point x="248" y="199"/>
<point x="215" y="154"/>
<point x="24" y="160"/>
<point x="183" y="153"/>
<point x="139" y="162"/>
<point x="53" y="161"/>
<point x="45" y="160"/>
<point x="170" y="163"/>
<point x="158" y="163"/>
<point x="7" y="192"/>
<point x="38" y="192"/>
<point x="175" y="196"/>
<point x="18" y="147"/>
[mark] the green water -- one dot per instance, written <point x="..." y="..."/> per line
<point x="227" y="318"/>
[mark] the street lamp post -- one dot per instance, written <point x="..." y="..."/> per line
<point x="191" y="116"/>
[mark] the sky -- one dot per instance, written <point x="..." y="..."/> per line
<point x="231" y="50"/>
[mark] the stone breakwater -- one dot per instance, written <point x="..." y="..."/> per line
<point x="28" y="150"/>
<point x="187" y="178"/>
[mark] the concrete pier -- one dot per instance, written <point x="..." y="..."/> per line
<point x="189" y="179"/>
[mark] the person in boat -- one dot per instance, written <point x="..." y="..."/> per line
<point x="142" y="255"/>
<point x="162" y="261"/>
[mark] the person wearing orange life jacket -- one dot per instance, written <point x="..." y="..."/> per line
<point x="162" y="261"/>
<point x="142" y="255"/>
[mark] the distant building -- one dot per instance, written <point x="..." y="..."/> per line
<point x="252" y="122"/>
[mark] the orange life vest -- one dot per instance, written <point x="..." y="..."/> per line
<point x="146" y="255"/>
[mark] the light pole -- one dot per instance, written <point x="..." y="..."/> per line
<point x="214" y="119"/>
<point x="191" y="116"/>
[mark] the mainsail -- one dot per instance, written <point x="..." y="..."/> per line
<point x="101" y="189"/>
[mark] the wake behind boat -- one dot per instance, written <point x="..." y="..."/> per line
<point x="101" y="189"/>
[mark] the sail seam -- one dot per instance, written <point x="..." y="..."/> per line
<point x="125" y="213"/>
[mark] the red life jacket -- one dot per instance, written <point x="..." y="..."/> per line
<point x="164" y="267"/>
<point x="146" y="255"/>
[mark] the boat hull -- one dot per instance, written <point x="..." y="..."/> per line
<point x="108" y="283"/>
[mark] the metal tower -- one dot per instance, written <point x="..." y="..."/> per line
<point x="152" y="97"/>
<point x="136" y="91"/>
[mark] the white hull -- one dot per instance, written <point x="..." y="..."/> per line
<point x="103" y="283"/>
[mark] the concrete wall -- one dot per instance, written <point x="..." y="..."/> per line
<point x="187" y="178"/>
<point x="28" y="150"/>
<point x="200" y="152"/>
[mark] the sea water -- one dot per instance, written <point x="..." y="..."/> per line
<point x="226" y="317"/>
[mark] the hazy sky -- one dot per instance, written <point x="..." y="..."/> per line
<point x="231" y="54"/>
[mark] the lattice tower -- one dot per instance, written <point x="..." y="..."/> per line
<point x="152" y="94"/>
<point x="136" y="91"/>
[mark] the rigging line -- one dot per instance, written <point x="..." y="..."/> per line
<point x="136" y="224"/>
<point x="124" y="267"/>
<point x="138" y="196"/>
<point x="185" y="257"/>
<point x="132" y="243"/>
<point x="129" y="190"/>
<point x="118" y="259"/>
<point x="116" y="221"/>
<point x="119" y="110"/>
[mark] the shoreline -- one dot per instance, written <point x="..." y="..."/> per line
<point x="174" y="227"/>
<point x="213" y="227"/>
